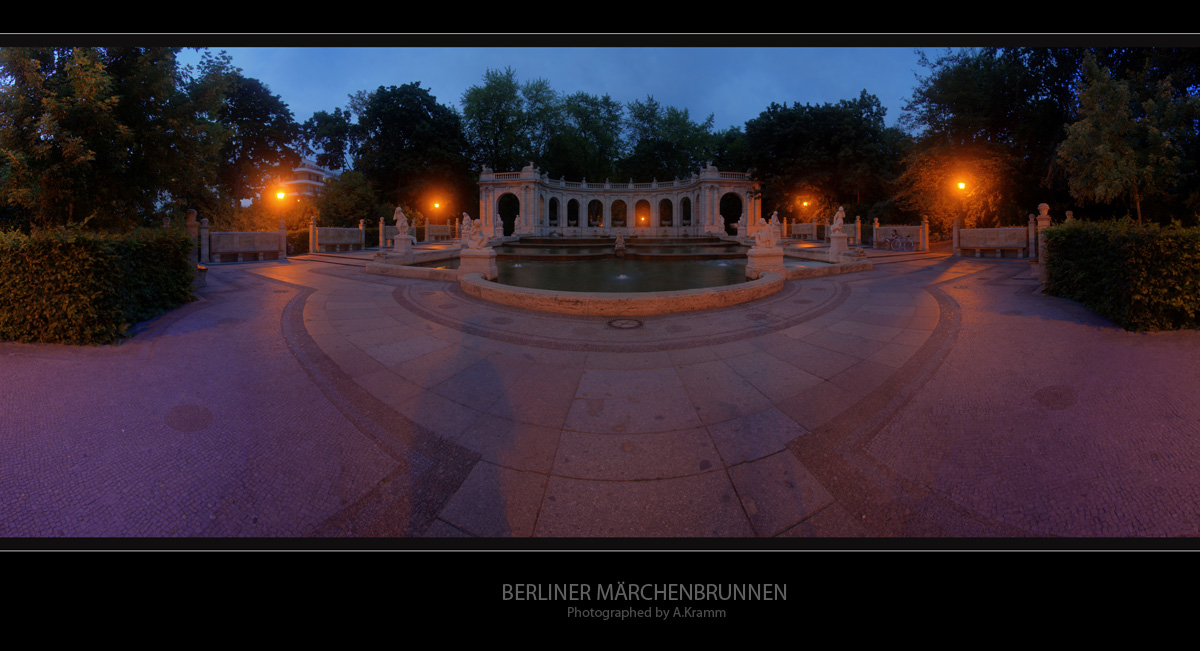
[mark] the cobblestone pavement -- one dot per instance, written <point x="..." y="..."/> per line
<point x="932" y="396"/>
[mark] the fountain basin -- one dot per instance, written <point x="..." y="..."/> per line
<point x="620" y="304"/>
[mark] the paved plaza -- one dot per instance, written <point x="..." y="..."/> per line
<point x="933" y="396"/>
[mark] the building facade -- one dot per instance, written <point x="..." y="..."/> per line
<point x="308" y="179"/>
<point x="679" y="208"/>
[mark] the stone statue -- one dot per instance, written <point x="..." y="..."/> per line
<point x="473" y="233"/>
<point x="838" y="220"/>
<point x="401" y="222"/>
<point x="768" y="237"/>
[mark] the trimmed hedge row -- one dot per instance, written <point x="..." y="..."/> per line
<point x="1141" y="277"/>
<point x="89" y="288"/>
<point x="297" y="242"/>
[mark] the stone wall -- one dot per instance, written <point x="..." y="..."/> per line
<point x="218" y="247"/>
<point x="1015" y="241"/>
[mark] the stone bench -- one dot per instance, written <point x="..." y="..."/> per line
<point x="245" y="247"/>
<point x="338" y="239"/>
<point x="998" y="240"/>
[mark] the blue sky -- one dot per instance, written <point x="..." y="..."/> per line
<point x="734" y="84"/>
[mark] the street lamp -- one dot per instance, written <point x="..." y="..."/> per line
<point x="962" y="201"/>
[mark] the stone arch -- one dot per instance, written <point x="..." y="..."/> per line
<point x="641" y="212"/>
<point x="618" y="214"/>
<point x="732" y="209"/>
<point x="509" y="206"/>
<point x="666" y="213"/>
<point x="685" y="211"/>
<point x="595" y="213"/>
<point x="552" y="213"/>
<point x="573" y="212"/>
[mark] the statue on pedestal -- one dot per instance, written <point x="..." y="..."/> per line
<point x="401" y="222"/>
<point x="473" y="235"/>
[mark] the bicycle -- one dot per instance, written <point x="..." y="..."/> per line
<point x="899" y="243"/>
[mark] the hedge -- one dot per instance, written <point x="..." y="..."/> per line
<point x="297" y="242"/>
<point x="89" y="288"/>
<point x="1141" y="277"/>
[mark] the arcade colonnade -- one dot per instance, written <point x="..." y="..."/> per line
<point x="679" y="208"/>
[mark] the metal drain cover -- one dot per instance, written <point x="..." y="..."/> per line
<point x="625" y="324"/>
<point x="188" y="418"/>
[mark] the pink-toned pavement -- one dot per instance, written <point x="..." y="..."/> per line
<point x="932" y="396"/>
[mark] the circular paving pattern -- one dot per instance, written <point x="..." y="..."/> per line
<point x="445" y="304"/>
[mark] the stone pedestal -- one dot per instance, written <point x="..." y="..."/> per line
<point x="837" y="245"/>
<point x="400" y="253"/>
<point x="760" y="261"/>
<point x="478" y="261"/>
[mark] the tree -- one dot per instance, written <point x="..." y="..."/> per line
<point x="589" y="142"/>
<point x="328" y="135"/>
<point x="494" y="121"/>
<point x="1012" y="103"/>
<point x="260" y="135"/>
<point x="347" y="199"/>
<point x="409" y="146"/>
<point x="831" y="154"/>
<point x="107" y="134"/>
<point x="666" y="143"/>
<point x="929" y="185"/>
<point x="1121" y="148"/>
<point x="508" y="124"/>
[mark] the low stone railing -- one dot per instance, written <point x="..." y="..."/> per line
<point x="217" y="247"/>
<point x="1020" y="240"/>
<point x="324" y="239"/>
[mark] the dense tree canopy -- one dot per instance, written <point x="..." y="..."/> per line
<point x="409" y="147"/>
<point x="665" y="143"/>
<point x="328" y="135"/>
<point x="1122" y="148"/>
<point x="1025" y="114"/>
<point x="260" y="135"/>
<point x="990" y="111"/>
<point x="828" y="154"/>
<point x="589" y="141"/>
<point x="347" y="199"/>
<point x="510" y="124"/>
<point x="110" y="135"/>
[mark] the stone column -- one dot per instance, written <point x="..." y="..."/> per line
<point x="858" y="230"/>
<point x="484" y="213"/>
<point x="204" y="252"/>
<point x="1043" y="222"/>
<point x="362" y="235"/>
<point x="925" y="233"/>
<point x="1032" y="243"/>
<point x="875" y="233"/>
<point x="193" y="231"/>
<point x="313" y="245"/>
<point x="382" y="239"/>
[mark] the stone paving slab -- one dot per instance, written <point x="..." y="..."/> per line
<point x="930" y="396"/>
